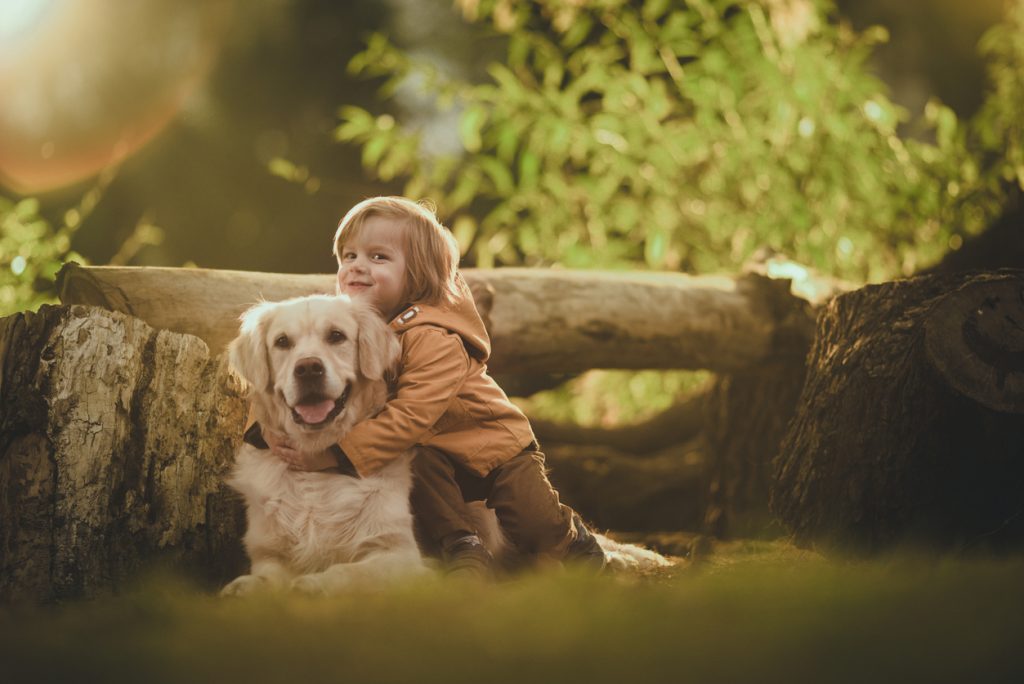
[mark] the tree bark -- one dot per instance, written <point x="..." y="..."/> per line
<point x="540" y="321"/>
<point x="745" y="419"/>
<point x="113" y="441"/>
<point x="909" y="426"/>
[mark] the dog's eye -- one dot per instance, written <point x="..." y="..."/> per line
<point x="336" y="337"/>
<point x="282" y="342"/>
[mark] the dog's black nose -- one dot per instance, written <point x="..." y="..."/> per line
<point x="309" y="368"/>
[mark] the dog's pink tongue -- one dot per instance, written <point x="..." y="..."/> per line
<point x="315" y="413"/>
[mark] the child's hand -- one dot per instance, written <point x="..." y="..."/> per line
<point x="297" y="460"/>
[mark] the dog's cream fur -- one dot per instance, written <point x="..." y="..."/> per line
<point x="323" y="531"/>
<point x="319" y="531"/>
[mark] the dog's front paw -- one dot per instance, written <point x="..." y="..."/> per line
<point x="245" y="585"/>
<point x="311" y="585"/>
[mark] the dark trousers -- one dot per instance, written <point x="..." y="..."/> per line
<point x="518" y="491"/>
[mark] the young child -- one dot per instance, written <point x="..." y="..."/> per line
<point x="472" y="443"/>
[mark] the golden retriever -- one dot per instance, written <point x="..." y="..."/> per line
<point x="316" y="366"/>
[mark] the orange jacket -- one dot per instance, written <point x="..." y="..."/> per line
<point x="444" y="396"/>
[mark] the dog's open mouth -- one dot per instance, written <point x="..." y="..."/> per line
<point x="315" y="412"/>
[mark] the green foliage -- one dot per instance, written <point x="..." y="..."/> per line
<point x="614" y="397"/>
<point x="622" y="134"/>
<point x="998" y="130"/>
<point x="32" y="250"/>
<point x="31" y="253"/>
<point x="760" y="613"/>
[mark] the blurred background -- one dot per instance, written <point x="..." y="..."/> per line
<point x="205" y="132"/>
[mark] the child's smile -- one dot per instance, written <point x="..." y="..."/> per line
<point x="372" y="265"/>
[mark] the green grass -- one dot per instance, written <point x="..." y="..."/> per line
<point x="756" y="611"/>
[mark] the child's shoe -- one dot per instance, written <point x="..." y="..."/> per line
<point x="468" y="558"/>
<point x="584" y="550"/>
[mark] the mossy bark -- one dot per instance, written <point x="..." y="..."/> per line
<point x="114" y="438"/>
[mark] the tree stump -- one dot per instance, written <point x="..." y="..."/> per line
<point x="910" y="428"/>
<point x="114" y="438"/>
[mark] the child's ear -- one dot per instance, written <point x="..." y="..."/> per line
<point x="379" y="349"/>
<point x="247" y="353"/>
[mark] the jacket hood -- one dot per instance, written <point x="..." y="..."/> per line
<point x="460" y="317"/>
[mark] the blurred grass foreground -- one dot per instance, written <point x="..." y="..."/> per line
<point x="751" y="611"/>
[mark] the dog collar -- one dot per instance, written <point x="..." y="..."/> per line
<point x="254" y="436"/>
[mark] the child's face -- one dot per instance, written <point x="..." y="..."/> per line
<point x="373" y="266"/>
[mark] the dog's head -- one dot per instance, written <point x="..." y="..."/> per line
<point x="309" y="353"/>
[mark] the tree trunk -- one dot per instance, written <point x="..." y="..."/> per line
<point x="745" y="419"/>
<point x="540" y="320"/>
<point x="909" y="426"/>
<point x="114" y="438"/>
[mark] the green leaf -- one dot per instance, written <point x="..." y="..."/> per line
<point x="500" y="175"/>
<point x="578" y="31"/>
<point x="464" y="229"/>
<point x="374" y="149"/>
<point x="654" y="9"/>
<point x="529" y="170"/>
<point x="27" y="209"/>
<point x="470" y="123"/>
<point x="465" y="189"/>
<point x="508" y="143"/>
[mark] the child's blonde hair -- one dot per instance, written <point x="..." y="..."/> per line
<point x="431" y="252"/>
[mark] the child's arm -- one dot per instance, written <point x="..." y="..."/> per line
<point x="298" y="460"/>
<point x="434" y="366"/>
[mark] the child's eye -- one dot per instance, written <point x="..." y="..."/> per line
<point x="380" y="257"/>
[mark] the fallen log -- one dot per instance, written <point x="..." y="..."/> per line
<point x="910" y="425"/>
<point x="615" y="490"/>
<point x="114" y="438"/>
<point x="540" y="320"/>
<point x="679" y="423"/>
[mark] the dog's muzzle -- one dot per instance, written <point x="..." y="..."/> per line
<point x="316" y="411"/>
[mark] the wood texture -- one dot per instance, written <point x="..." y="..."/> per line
<point x="883" y="448"/>
<point x="113" y="441"/>
<point x="540" y="320"/>
<point x="975" y="339"/>
<point x="745" y="418"/>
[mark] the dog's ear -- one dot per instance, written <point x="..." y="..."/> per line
<point x="247" y="353"/>
<point x="379" y="349"/>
